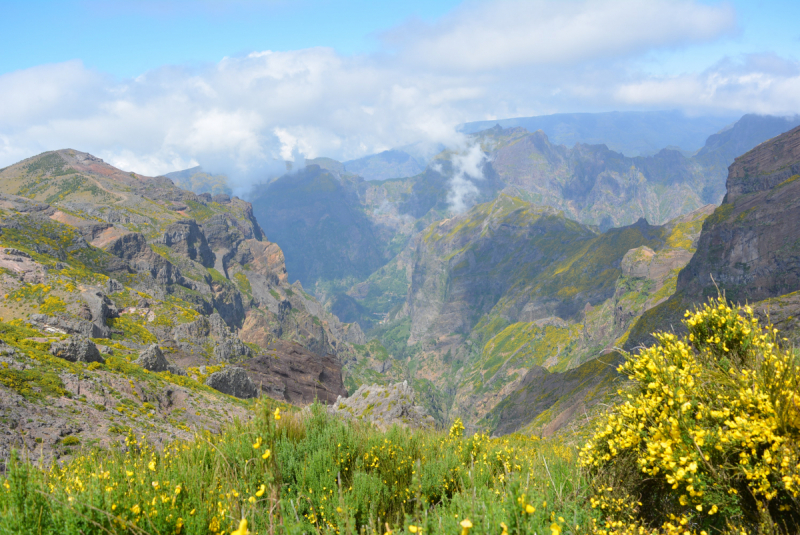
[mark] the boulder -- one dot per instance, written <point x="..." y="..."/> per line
<point x="77" y="349"/>
<point x="100" y="308"/>
<point x="234" y="382"/>
<point x="384" y="406"/>
<point x="152" y="359"/>
<point x="231" y="349"/>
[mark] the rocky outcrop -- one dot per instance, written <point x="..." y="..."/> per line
<point x="67" y="325"/>
<point x="233" y="381"/>
<point x="231" y="350"/>
<point x="749" y="246"/>
<point x="187" y="239"/>
<point x="291" y="373"/>
<point x="100" y="309"/>
<point x="133" y="248"/>
<point x="76" y="349"/>
<point x="384" y="406"/>
<point x="152" y="359"/>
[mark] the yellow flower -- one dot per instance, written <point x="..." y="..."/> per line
<point x="466" y="525"/>
<point x="266" y="454"/>
<point x="251" y="499"/>
<point x="277" y="413"/>
<point x="505" y="528"/>
<point x="414" y="529"/>
<point x="152" y="465"/>
<point x="261" y="490"/>
<point x="530" y="509"/>
<point x="555" y="529"/>
<point x="136" y="509"/>
<point x="257" y="443"/>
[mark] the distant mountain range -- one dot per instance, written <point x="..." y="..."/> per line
<point x="337" y="228"/>
<point x="632" y="133"/>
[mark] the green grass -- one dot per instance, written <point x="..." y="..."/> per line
<point x="322" y="475"/>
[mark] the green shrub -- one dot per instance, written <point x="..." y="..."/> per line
<point x="70" y="440"/>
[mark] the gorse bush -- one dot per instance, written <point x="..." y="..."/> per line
<point x="707" y="438"/>
<point x="304" y="473"/>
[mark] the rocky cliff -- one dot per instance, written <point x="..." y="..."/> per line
<point x="749" y="248"/>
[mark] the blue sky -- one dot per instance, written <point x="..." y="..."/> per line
<point x="127" y="38"/>
<point x="242" y="85"/>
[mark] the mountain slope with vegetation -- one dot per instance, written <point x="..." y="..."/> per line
<point x="130" y="304"/>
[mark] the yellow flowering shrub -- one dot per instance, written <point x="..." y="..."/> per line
<point x="706" y="440"/>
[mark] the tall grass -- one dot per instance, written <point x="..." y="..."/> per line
<point x="304" y="472"/>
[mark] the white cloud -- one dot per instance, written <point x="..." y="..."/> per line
<point x="467" y="167"/>
<point x="760" y="83"/>
<point x="508" y="33"/>
<point x="246" y="115"/>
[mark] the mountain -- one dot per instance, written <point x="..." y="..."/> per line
<point x="337" y="228"/>
<point x="375" y="219"/>
<point x="384" y="165"/>
<point x="633" y="133"/>
<point x="322" y="224"/>
<point x="749" y="248"/>
<point x="130" y="305"/>
<point x="198" y="181"/>
<point x="508" y="286"/>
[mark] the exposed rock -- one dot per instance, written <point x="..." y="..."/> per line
<point x="67" y="325"/>
<point x="152" y="359"/>
<point x="187" y="239"/>
<point x="292" y="373"/>
<point x="231" y="350"/>
<point x="384" y="406"/>
<point x="233" y="381"/>
<point x="175" y="370"/>
<point x="141" y="258"/>
<point x="114" y="286"/>
<point x="77" y="349"/>
<point x="101" y="308"/>
<point x="748" y="248"/>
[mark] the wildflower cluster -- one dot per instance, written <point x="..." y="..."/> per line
<point x="707" y="438"/>
<point x="303" y="472"/>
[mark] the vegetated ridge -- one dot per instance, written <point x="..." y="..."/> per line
<point x="130" y="305"/>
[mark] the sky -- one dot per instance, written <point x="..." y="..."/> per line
<point x="241" y="86"/>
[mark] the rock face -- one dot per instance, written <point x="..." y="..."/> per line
<point x="384" y="406"/>
<point x="749" y="247"/>
<point x="233" y="381"/>
<point x="152" y="359"/>
<point x="100" y="309"/>
<point x="186" y="238"/>
<point x="67" y="325"/>
<point x="77" y="349"/>
<point x="291" y="373"/>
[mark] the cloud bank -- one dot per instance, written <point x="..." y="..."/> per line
<point x="247" y="115"/>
